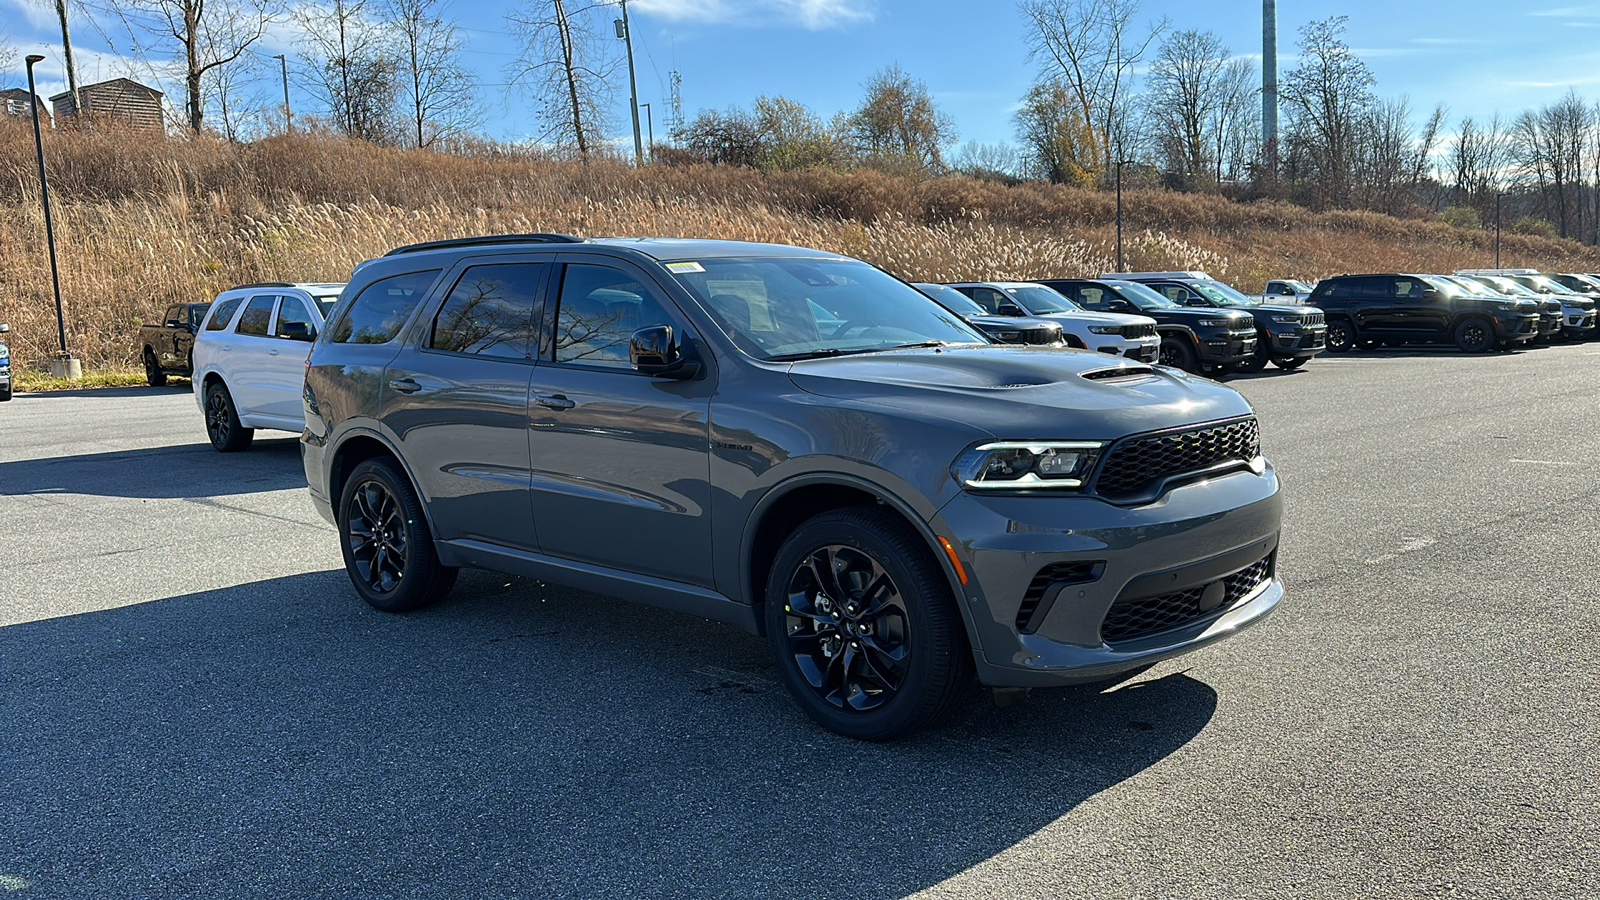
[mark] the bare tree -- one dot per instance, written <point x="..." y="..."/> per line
<point x="565" y="61"/>
<point x="353" y="69"/>
<point x="1236" y="121"/>
<point x="440" y="96"/>
<point x="1090" y="48"/>
<point x="726" y="138"/>
<point x="1478" y="159"/>
<point x="209" y="34"/>
<point x="1548" y="144"/>
<point x="998" y="160"/>
<point x="235" y="99"/>
<point x="790" y="136"/>
<point x="898" y="124"/>
<point x="1186" y="96"/>
<point x="1328" y="98"/>
<point x="1383" y="163"/>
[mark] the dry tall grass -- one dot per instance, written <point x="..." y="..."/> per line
<point x="143" y="222"/>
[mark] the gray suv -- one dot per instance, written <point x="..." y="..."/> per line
<point x="791" y="441"/>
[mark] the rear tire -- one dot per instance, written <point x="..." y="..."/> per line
<point x="387" y="545"/>
<point x="222" y="422"/>
<point x="863" y="626"/>
<point x="153" y="375"/>
<point x="1341" y="335"/>
<point x="1474" y="335"/>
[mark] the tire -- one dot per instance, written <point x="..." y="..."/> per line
<point x="222" y="422"/>
<point x="1291" y="364"/>
<point x="1256" y="361"/>
<point x="153" y="375"/>
<point x="1369" y="343"/>
<point x="1341" y="335"/>
<point x="1474" y="335"/>
<point x="1176" y="351"/>
<point x="387" y="545"/>
<point x="1074" y="342"/>
<point x="5" y="393"/>
<point x="836" y="646"/>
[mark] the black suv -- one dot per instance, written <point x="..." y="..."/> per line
<point x="1005" y="329"/>
<point x="791" y="441"/>
<point x="1194" y="340"/>
<point x="1287" y="335"/>
<point x="1370" y="310"/>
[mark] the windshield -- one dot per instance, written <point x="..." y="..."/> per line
<point x="793" y="308"/>
<point x="1581" y="284"/>
<point x="1450" y="288"/>
<point x="1141" y="295"/>
<point x="1221" y="294"/>
<point x="1543" y="284"/>
<point x="1039" y="300"/>
<point x="952" y="299"/>
<point x="325" y="303"/>
<point x="1504" y="286"/>
<point x="1299" y="287"/>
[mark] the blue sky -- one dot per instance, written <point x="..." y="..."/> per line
<point x="1478" y="57"/>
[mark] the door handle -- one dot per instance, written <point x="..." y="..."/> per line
<point x="272" y="352"/>
<point x="553" y="401"/>
<point x="405" y="385"/>
<point x="225" y="347"/>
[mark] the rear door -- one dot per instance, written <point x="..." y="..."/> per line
<point x="456" y="400"/>
<point x="246" y="360"/>
<point x="621" y="461"/>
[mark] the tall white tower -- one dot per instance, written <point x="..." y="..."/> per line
<point x="1269" y="83"/>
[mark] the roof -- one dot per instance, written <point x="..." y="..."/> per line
<point x="125" y="81"/>
<point x="665" y="249"/>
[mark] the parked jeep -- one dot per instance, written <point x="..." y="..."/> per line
<point x="1289" y="336"/>
<point x="1371" y="310"/>
<point x="1005" y="329"/>
<point x="1194" y="340"/>
<point x="1551" y="315"/>
<point x="168" y="345"/>
<point x="893" y="501"/>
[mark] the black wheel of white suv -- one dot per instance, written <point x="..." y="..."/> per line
<point x="222" y="422"/>
<point x="388" y="548"/>
<point x="864" y="627"/>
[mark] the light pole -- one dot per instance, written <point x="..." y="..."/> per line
<point x="63" y="366"/>
<point x="633" y="89"/>
<point x="1120" y="164"/>
<point x="288" y="117"/>
<point x="650" y="123"/>
<point x="1497" y="229"/>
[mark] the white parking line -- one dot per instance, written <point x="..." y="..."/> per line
<point x="1408" y="547"/>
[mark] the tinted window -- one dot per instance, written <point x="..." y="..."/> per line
<point x="196" y="313"/>
<point x="224" y="314"/>
<point x="949" y="298"/>
<point x="382" y="308"/>
<point x="257" y="316"/>
<point x="490" y="312"/>
<point x="174" y="315"/>
<point x="599" y="310"/>
<point x="988" y="298"/>
<point x="293" y="309"/>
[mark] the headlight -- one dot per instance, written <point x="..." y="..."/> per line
<point x="1106" y="329"/>
<point x="1220" y="323"/>
<point x="1508" y="307"/>
<point x="1017" y="465"/>
<point x="1288" y="320"/>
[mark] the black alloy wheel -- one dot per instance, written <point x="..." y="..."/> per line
<point x="1256" y="361"/>
<point x="222" y="422"/>
<point x="1176" y="351"/>
<point x="1369" y="343"/>
<point x="1474" y="335"/>
<point x="153" y="375"/>
<point x="1341" y="336"/>
<point x="1291" y="363"/>
<point x="388" y="549"/>
<point x="864" y="627"/>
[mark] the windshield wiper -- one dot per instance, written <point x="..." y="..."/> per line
<point x="836" y="351"/>
<point x="915" y="344"/>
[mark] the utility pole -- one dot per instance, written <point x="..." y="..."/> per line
<point x="650" y="123"/>
<point x="66" y="51"/>
<point x="63" y="366"/>
<point x="1269" y="83"/>
<point x="1497" y="229"/>
<point x="1120" y="164"/>
<point x="288" y="117"/>
<point x="633" y="89"/>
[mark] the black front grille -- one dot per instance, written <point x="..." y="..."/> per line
<point x="1041" y="336"/>
<point x="1139" y="331"/>
<point x="1130" y="619"/>
<point x="1029" y="615"/>
<point x="1138" y="464"/>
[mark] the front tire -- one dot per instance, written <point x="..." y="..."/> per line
<point x="1291" y="363"/>
<point x="153" y="375"/>
<point x="222" y="422"/>
<point x="1474" y="336"/>
<point x="1256" y="361"/>
<point x="1341" y="335"/>
<point x="863" y="626"/>
<point x="387" y="545"/>
<point x="1177" y="352"/>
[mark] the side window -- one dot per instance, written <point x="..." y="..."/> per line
<point x="196" y="313"/>
<point x="988" y="298"/>
<point x="1091" y="298"/>
<point x="1177" y="293"/>
<point x="1327" y="287"/>
<point x="382" y="308"/>
<point x="223" y="313"/>
<point x="257" y="316"/>
<point x="174" y="316"/>
<point x="490" y="312"/>
<point x="598" y="311"/>
<point x="1404" y="287"/>
<point x="293" y="309"/>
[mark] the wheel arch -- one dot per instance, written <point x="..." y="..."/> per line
<point x="355" y="449"/>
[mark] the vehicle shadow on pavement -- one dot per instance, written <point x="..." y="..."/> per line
<point x="279" y="738"/>
<point x="185" y="470"/>
<point x="177" y="386"/>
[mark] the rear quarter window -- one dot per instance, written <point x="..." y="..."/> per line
<point x="223" y="313"/>
<point x="382" y="308"/>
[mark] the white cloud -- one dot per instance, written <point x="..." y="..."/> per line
<point x="1566" y="12"/>
<point x="811" y="14"/>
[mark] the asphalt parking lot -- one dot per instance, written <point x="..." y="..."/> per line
<point x="195" y="704"/>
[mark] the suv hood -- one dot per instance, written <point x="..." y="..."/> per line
<point x="1098" y="318"/>
<point x="1219" y="312"/>
<point x="1018" y="393"/>
<point x="1278" y="308"/>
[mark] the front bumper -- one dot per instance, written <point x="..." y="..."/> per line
<point x="1224" y="346"/>
<point x="1299" y="342"/>
<point x="1145" y="349"/>
<point x="1549" y="324"/>
<point x="1579" y="322"/>
<point x="1194" y="536"/>
<point x="1517" y="329"/>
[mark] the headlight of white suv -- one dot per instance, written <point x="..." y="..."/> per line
<point x="1106" y="329"/>
<point x="1018" y="465"/>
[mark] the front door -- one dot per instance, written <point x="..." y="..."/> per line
<point x="620" y="460"/>
<point x="456" y="399"/>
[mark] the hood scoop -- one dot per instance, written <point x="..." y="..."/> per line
<point x="1119" y="374"/>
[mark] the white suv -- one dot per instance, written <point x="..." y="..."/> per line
<point x="250" y="357"/>
<point x="1119" y="334"/>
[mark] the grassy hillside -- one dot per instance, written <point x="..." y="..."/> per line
<point x="142" y="222"/>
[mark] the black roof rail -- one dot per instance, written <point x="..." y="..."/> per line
<point x="536" y="238"/>
<point x="239" y="287"/>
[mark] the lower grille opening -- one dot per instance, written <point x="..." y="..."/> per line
<point x="1130" y="619"/>
<point x="1044" y="587"/>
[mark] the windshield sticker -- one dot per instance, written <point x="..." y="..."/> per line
<point x="685" y="268"/>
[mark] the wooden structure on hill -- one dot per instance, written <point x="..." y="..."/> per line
<point x="17" y="102"/>
<point x="118" y="100"/>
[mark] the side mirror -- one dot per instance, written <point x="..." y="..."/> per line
<point x="4" y="328"/>
<point x="1430" y="293"/>
<point x="653" y="351"/>
<point x="1120" y="306"/>
<point x="1011" y="309"/>
<point x="1194" y="301"/>
<point x="296" y="331"/>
